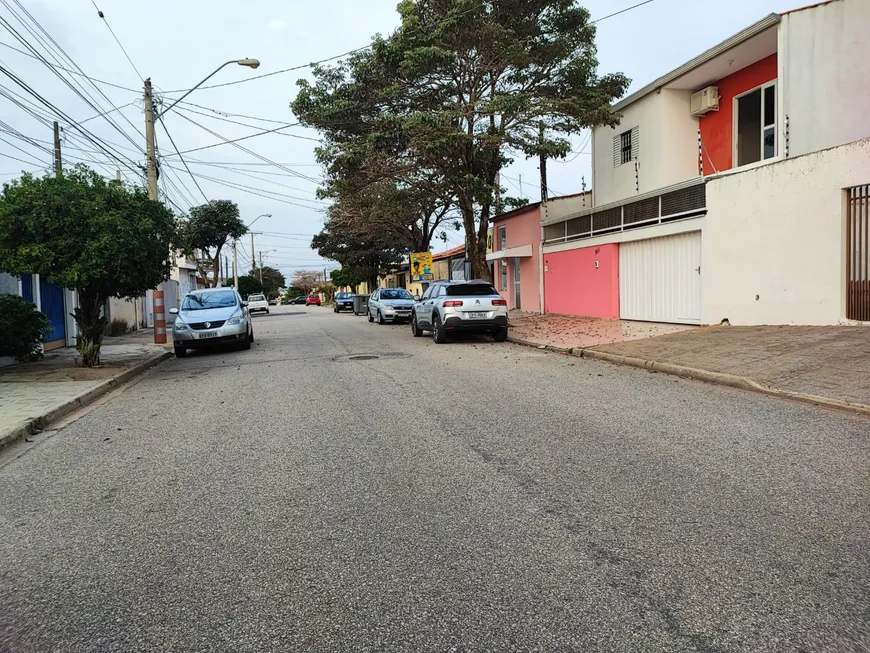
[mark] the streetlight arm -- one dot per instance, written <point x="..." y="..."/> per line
<point x="250" y="63"/>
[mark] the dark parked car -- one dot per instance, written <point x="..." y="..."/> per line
<point x="343" y="302"/>
<point x="300" y="300"/>
<point x="273" y="302"/>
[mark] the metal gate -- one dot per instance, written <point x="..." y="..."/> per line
<point x="858" y="254"/>
<point x="660" y="279"/>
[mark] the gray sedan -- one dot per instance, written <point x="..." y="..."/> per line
<point x="211" y="317"/>
<point x="390" y="305"/>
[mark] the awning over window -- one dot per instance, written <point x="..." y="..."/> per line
<point x="523" y="251"/>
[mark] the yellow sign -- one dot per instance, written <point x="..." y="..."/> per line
<point x="421" y="266"/>
<point x="489" y="242"/>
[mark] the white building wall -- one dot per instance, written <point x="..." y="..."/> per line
<point x="773" y="250"/>
<point x="668" y="152"/>
<point x="824" y="74"/>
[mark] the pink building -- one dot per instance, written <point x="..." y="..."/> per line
<point x="516" y="250"/>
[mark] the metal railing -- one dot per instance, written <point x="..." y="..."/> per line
<point x="858" y="254"/>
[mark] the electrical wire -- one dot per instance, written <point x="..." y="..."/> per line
<point x="243" y="124"/>
<point x="175" y="147"/>
<point x="117" y="40"/>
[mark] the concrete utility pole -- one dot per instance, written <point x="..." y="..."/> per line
<point x="236" y="264"/>
<point x="151" y="163"/>
<point x="261" y="270"/>
<point x="543" y="165"/>
<point x="253" y="255"/>
<point x="58" y="165"/>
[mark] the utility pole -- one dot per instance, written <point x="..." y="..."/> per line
<point x="543" y="166"/>
<point x="226" y="267"/>
<point x="253" y="255"/>
<point x="261" y="270"/>
<point x="236" y="264"/>
<point x="151" y="163"/>
<point x="58" y="165"/>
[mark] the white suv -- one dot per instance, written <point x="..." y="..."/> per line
<point x="452" y="306"/>
<point x="258" y="304"/>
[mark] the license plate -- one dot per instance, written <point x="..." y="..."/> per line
<point x="476" y="316"/>
<point x="207" y="334"/>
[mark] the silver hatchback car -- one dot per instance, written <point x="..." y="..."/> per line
<point x="390" y="305"/>
<point x="211" y="317"/>
<point x="460" y="306"/>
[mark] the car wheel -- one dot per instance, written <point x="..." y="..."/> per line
<point x="439" y="334"/>
<point x="501" y="335"/>
<point x="380" y="318"/>
<point x="371" y="319"/>
<point x="245" y="343"/>
<point x="251" y="336"/>
<point x="180" y="352"/>
<point x="417" y="331"/>
<point x="267" y="311"/>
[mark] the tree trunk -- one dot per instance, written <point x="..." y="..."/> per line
<point x="91" y="325"/>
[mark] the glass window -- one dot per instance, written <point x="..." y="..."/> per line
<point x="200" y="301"/>
<point x="502" y="238"/>
<point x="503" y="276"/>
<point x="470" y="289"/>
<point x="756" y="125"/>
<point x="395" y="293"/>
<point x="625" y="146"/>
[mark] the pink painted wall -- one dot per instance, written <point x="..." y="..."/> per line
<point x="522" y="229"/>
<point x="574" y="286"/>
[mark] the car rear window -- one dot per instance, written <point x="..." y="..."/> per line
<point x="466" y="289"/>
<point x="256" y="298"/>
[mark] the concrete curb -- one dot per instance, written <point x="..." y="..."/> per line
<point x="721" y="379"/>
<point x="537" y="345"/>
<point x="81" y="400"/>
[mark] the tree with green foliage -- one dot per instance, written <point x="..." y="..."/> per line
<point x="248" y="285"/>
<point x="22" y="328"/>
<point x="79" y="231"/>
<point x="273" y="280"/>
<point x="206" y="231"/>
<point x="346" y="278"/>
<point x="460" y="88"/>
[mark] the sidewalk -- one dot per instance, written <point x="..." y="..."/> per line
<point x="33" y="395"/>
<point x="822" y="365"/>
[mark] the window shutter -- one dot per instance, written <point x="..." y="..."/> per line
<point x="617" y="156"/>
<point x="635" y="143"/>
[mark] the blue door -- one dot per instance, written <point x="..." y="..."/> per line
<point x="27" y="288"/>
<point x="51" y="297"/>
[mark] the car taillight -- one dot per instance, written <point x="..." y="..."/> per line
<point x="453" y="302"/>
<point x="499" y="302"/>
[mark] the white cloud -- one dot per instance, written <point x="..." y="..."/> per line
<point x="278" y="25"/>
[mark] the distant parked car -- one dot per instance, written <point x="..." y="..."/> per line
<point x="313" y="300"/>
<point x="299" y="300"/>
<point x="211" y="317"/>
<point x="390" y="305"/>
<point x="258" y="304"/>
<point x="343" y="302"/>
<point x="273" y="302"/>
<point x="452" y="306"/>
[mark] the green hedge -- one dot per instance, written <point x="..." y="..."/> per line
<point x="22" y="328"/>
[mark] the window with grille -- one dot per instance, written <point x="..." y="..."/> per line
<point x="626" y="146"/>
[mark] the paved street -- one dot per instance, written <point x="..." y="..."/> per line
<point x="469" y="497"/>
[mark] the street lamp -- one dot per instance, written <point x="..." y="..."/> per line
<point x="151" y="115"/>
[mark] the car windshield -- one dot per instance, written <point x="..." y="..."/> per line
<point x="256" y="298"/>
<point x="343" y="295"/>
<point x="200" y="301"/>
<point x="395" y="293"/>
<point x="466" y="289"/>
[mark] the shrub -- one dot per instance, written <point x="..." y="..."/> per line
<point x="22" y="328"/>
<point x="117" y="327"/>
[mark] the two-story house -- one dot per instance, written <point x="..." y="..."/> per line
<point x="732" y="187"/>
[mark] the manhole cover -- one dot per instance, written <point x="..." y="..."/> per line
<point x="384" y="355"/>
<point x="364" y="358"/>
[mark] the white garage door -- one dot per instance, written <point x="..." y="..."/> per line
<point x="660" y="279"/>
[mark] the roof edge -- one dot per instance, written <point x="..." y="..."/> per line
<point x="744" y="35"/>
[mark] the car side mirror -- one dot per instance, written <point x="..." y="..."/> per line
<point x="173" y="311"/>
<point x="244" y="303"/>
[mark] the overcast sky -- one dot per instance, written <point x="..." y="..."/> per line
<point x="177" y="43"/>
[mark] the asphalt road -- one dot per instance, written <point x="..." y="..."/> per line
<point x="464" y="497"/>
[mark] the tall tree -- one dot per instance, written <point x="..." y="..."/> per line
<point x="273" y="280"/>
<point x="345" y="278"/>
<point x="102" y="238"/>
<point x="463" y="85"/>
<point x="307" y="280"/>
<point x="207" y="231"/>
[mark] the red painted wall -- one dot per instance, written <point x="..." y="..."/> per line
<point x="523" y="229"/>
<point x="717" y="126"/>
<point x="574" y="286"/>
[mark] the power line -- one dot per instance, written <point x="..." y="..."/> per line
<point x="244" y="124"/>
<point x="117" y="40"/>
<point x="227" y="141"/>
<point x="175" y="147"/>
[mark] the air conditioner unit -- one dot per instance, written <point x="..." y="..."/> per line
<point x="705" y="101"/>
